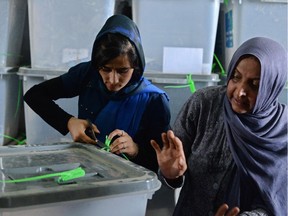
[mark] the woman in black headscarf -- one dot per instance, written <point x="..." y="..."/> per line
<point x="230" y="142"/>
<point x="113" y="95"/>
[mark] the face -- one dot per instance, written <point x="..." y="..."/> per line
<point x="243" y="86"/>
<point x="116" y="73"/>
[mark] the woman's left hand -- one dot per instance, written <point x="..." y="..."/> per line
<point x="123" y="144"/>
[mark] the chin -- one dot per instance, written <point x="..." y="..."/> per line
<point x="239" y="110"/>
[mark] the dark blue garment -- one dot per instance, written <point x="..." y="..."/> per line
<point x="125" y="114"/>
<point x="123" y="110"/>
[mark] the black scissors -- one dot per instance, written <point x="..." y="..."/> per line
<point x="90" y="132"/>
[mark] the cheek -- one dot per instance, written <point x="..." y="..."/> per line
<point x="252" y="99"/>
<point x="230" y="89"/>
<point x="104" y="76"/>
<point x="125" y="78"/>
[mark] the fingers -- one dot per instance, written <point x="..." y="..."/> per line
<point x="174" y="142"/>
<point x="167" y="139"/>
<point x="94" y="127"/>
<point x="117" y="132"/>
<point x="120" y="148"/>
<point x="122" y="143"/>
<point x="155" y="146"/>
<point x="233" y="212"/>
<point x="78" y="128"/>
<point x="223" y="210"/>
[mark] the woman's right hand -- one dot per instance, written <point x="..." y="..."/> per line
<point x="171" y="158"/>
<point x="77" y="129"/>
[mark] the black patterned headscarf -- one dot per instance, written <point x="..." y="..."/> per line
<point x="258" y="140"/>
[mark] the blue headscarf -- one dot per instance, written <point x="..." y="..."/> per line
<point x="112" y="110"/>
<point x="258" y="140"/>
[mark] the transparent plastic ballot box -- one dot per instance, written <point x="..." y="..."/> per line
<point x="178" y="88"/>
<point x="10" y="104"/>
<point x="252" y="18"/>
<point x="62" y="33"/>
<point x="12" y="22"/>
<point x="180" y="24"/>
<point x="72" y="179"/>
<point x="37" y="130"/>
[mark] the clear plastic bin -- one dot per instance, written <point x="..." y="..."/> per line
<point x="251" y="18"/>
<point x="37" y="130"/>
<point x="10" y="104"/>
<point x="111" y="185"/>
<point x="12" y="21"/>
<point x="174" y="84"/>
<point x="62" y="32"/>
<point x="176" y="23"/>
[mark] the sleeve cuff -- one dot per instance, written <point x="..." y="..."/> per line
<point x="171" y="183"/>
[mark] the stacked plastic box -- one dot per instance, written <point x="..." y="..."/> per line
<point x="10" y="104"/>
<point x="177" y="24"/>
<point x="37" y="130"/>
<point x="71" y="179"/>
<point x="251" y="18"/>
<point x="62" y="32"/>
<point x="61" y="35"/>
<point x="12" y="20"/>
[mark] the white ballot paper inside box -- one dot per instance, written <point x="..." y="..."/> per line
<point x="182" y="60"/>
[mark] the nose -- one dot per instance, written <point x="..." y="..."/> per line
<point x="113" y="76"/>
<point x="242" y="91"/>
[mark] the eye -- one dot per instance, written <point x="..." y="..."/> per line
<point x="105" y="69"/>
<point x="123" y="70"/>
<point x="255" y="84"/>
<point x="118" y="70"/>
<point x="236" y="77"/>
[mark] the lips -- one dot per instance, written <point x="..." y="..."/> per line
<point x="240" y="103"/>
<point x="113" y="88"/>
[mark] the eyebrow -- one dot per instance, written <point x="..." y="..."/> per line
<point x="118" y="68"/>
<point x="256" y="78"/>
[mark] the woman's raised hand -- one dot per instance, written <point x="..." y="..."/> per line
<point x="171" y="158"/>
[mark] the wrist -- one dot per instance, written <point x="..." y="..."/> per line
<point x="69" y="122"/>
<point x="136" y="151"/>
<point x="172" y="182"/>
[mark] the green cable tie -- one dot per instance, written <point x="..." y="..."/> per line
<point x="178" y="86"/>
<point x="213" y="67"/>
<point x="19" y="142"/>
<point x="223" y="72"/>
<point x="124" y="156"/>
<point x="63" y="176"/>
<point x="191" y="83"/>
<point x="107" y="144"/>
<point x="107" y="147"/>
<point x="11" y="54"/>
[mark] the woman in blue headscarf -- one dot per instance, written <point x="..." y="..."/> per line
<point x="230" y="142"/>
<point x="113" y="96"/>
